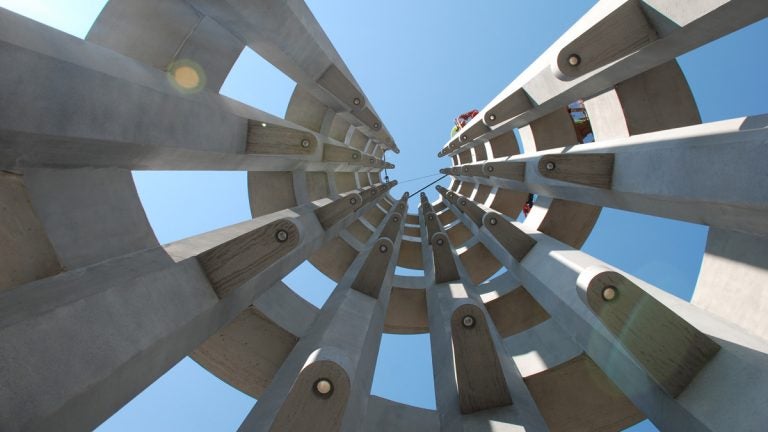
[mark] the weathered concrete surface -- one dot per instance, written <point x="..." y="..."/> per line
<point x="26" y="253"/>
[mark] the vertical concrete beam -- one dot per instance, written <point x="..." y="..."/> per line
<point x="342" y="344"/>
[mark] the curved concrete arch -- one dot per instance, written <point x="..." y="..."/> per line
<point x="80" y="263"/>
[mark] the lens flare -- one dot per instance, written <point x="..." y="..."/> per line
<point x="186" y="76"/>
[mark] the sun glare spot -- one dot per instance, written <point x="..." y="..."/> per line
<point x="186" y="76"/>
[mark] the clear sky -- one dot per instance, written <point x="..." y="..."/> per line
<point x="420" y="63"/>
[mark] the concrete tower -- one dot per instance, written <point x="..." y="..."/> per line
<point x="93" y="309"/>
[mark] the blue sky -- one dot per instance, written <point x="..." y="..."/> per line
<point x="420" y="64"/>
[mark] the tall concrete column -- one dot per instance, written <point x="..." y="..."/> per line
<point x="562" y="281"/>
<point x="325" y="382"/>
<point x="476" y="383"/>
<point x="123" y="322"/>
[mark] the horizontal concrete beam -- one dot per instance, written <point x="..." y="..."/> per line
<point x="539" y="90"/>
<point x="287" y="35"/>
<point x="82" y="105"/>
<point x="700" y="174"/>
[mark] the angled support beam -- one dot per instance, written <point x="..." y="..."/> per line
<point x="558" y="277"/>
<point x="511" y="238"/>
<point x="232" y="263"/>
<point x="445" y="266"/>
<point x="594" y="170"/>
<point x="307" y="56"/>
<point x="615" y="52"/>
<point x="272" y="139"/>
<point x="670" y="349"/>
<point x="478" y="371"/>
<point x="698" y="174"/>
<point x="86" y="128"/>
<point x="333" y="212"/>
<point x="337" y="392"/>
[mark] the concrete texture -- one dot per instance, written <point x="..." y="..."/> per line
<point x="93" y="309"/>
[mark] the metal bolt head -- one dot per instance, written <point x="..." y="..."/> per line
<point x="463" y="202"/>
<point x="383" y="248"/>
<point x="323" y="387"/>
<point x="492" y="117"/>
<point x="396" y="219"/>
<point x="353" y="200"/>
<point x="493" y="221"/>
<point x="431" y="217"/>
<point x="466" y="169"/>
<point x="609" y="293"/>
<point x="574" y="60"/>
<point x="305" y="143"/>
<point x="440" y="242"/>
<point x="468" y="321"/>
<point x="550" y="166"/>
<point x="464" y="137"/>
<point x="281" y="236"/>
<point x="370" y="160"/>
<point x="356" y="101"/>
<point x="376" y="125"/>
<point x="355" y="156"/>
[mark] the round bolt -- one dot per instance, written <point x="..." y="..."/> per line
<point x="609" y="293"/>
<point x="492" y="117"/>
<point x="355" y="156"/>
<point x="356" y="101"/>
<point x="305" y="143"/>
<point x="493" y="221"/>
<point x="281" y="236"/>
<point x="463" y="137"/>
<point x="440" y="242"/>
<point x="323" y="387"/>
<point x="353" y="200"/>
<point x="490" y="168"/>
<point x="383" y="248"/>
<point x="376" y="125"/>
<point x="463" y="202"/>
<point x="550" y="166"/>
<point x="370" y="160"/>
<point x="466" y="169"/>
<point x="431" y="217"/>
<point x="396" y="219"/>
<point x="574" y="60"/>
<point x="468" y="321"/>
